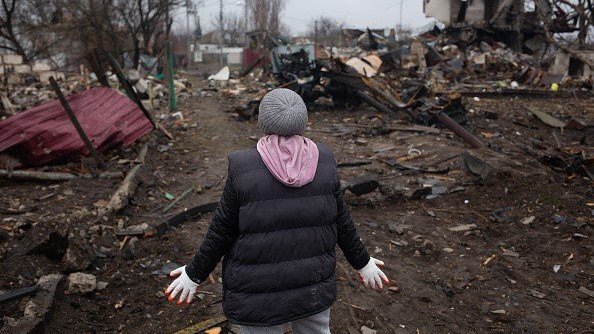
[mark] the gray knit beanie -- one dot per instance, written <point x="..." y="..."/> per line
<point x="283" y="113"/>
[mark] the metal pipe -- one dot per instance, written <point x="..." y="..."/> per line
<point x="468" y="137"/>
<point x="374" y="103"/>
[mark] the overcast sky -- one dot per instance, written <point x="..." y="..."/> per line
<point x="355" y="13"/>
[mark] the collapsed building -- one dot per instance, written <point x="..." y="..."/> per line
<point x="514" y="22"/>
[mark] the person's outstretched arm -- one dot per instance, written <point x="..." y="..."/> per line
<point x="221" y="235"/>
<point x="351" y="245"/>
<point x="348" y="239"/>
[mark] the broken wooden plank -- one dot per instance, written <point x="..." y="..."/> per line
<point x="28" y="175"/>
<point x="36" y="176"/>
<point x="126" y="190"/>
<point x="586" y="291"/>
<point x="463" y="228"/>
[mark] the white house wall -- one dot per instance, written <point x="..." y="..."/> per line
<point x="438" y="9"/>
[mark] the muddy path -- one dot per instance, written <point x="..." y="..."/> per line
<point x="499" y="275"/>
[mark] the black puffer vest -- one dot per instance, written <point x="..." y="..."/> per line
<point x="280" y="259"/>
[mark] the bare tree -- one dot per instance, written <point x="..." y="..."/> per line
<point x="265" y="16"/>
<point x="9" y="22"/>
<point x="553" y="13"/>
<point x="233" y="29"/>
<point x="146" y="21"/>
<point x="580" y="12"/>
<point x="326" y="31"/>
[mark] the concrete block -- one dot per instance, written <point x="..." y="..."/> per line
<point x="142" y="86"/>
<point x="22" y="69"/>
<point x="12" y="59"/>
<point x="44" y="76"/>
<point x="41" y="67"/>
<point x="81" y="283"/>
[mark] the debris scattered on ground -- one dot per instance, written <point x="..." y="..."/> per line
<point x="463" y="228"/>
<point x="81" y="283"/>
<point x="37" y="309"/>
<point x="464" y="159"/>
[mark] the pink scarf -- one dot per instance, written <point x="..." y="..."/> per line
<point x="292" y="160"/>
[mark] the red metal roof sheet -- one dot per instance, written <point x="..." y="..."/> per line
<point x="44" y="134"/>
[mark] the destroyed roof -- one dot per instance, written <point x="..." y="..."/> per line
<point x="213" y="37"/>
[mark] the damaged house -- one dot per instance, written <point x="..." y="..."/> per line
<point x="497" y="19"/>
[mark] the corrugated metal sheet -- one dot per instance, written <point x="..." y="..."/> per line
<point x="44" y="134"/>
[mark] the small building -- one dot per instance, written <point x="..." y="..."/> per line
<point x="209" y="49"/>
<point x="475" y="12"/>
<point x="509" y="21"/>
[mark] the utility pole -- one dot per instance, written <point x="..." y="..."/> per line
<point x="316" y="32"/>
<point x="188" y="33"/>
<point x="245" y="23"/>
<point x="221" y="27"/>
<point x="400" y="23"/>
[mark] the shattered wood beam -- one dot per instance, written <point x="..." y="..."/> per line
<point x="468" y="137"/>
<point x="36" y="176"/>
<point x="384" y="95"/>
<point x="26" y="175"/>
<point x="126" y="190"/>
<point x="74" y="120"/>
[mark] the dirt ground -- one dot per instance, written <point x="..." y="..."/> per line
<point x="497" y="277"/>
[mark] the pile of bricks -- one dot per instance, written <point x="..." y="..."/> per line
<point x="14" y="71"/>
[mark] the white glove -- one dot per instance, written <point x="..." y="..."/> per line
<point x="182" y="284"/>
<point x="372" y="276"/>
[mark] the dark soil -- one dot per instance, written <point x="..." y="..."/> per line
<point x="496" y="278"/>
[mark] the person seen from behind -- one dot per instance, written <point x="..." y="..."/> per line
<point x="277" y="225"/>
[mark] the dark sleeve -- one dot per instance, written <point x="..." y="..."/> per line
<point x="348" y="238"/>
<point x="221" y="235"/>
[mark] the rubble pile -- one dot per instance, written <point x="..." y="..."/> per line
<point x="424" y="78"/>
<point x="28" y="89"/>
